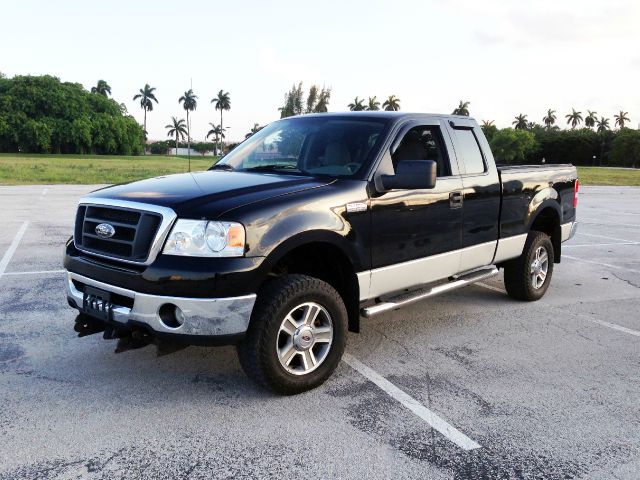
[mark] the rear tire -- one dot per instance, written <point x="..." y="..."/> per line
<point x="296" y="336"/>
<point x="528" y="276"/>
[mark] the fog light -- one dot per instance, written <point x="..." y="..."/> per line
<point x="171" y="316"/>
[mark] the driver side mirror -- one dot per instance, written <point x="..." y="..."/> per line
<point x="412" y="175"/>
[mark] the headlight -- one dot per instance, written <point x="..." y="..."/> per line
<point x="198" y="238"/>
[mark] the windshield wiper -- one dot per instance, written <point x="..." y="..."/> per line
<point x="222" y="166"/>
<point x="273" y="167"/>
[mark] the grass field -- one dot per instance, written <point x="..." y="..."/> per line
<point x="91" y="169"/>
<point x="97" y="169"/>
<point x="608" y="176"/>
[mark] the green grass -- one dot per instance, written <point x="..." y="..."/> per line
<point x="31" y="169"/>
<point x="98" y="169"/>
<point x="608" y="176"/>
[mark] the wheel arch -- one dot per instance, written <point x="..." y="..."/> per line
<point x="547" y="218"/>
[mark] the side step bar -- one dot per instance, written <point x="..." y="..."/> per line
<point x="408" y="298"/>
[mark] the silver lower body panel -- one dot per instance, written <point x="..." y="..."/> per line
<point x="203" y="316"/>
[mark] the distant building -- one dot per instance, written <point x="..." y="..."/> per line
<point x="185" y="151"/>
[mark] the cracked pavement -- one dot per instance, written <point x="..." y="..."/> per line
<point x="543" y="388"/>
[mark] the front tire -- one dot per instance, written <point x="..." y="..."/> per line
<point x="528" y="276"/>
<point x="296" y="336"/>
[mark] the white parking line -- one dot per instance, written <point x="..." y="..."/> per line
<point x="614" y="326"/>
<point x="600" y="244"/>
<point x="12" y="248"/>
<point x="608" y="265"/>
<point x="36" y="272"/>
<point x="44" y="192"/>
<point x="603" y="236"/>
<point x="436" y="422"/>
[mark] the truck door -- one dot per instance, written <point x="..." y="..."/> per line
<point x="481" y="194"/>
<point x="417" y="234"/>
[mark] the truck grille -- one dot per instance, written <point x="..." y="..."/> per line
<point x="133" y="232"/>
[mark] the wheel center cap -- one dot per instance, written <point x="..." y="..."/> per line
<point x="303" y="338"/>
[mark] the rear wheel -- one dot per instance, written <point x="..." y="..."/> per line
<point x="528" y="276"/>
<point x="297" y="334"/>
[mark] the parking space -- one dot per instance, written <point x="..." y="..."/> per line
<point x="467" y="385"/>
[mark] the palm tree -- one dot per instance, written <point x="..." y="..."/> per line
<point x="487" y="123"/>
<point x="147" y="97"/>
<point x="357" y="105"/>
<point x="603" y="125"/>
<point x="102" y="88"/>
<point x="374" y="104"/>
<point x="574" y="118"/>
<point x="591" y="119"/>
<point x="520" y="123"/>
<point x="550" y="118"/>
<point x="463" y="109"/>
<point x="177" y="128"/>
<point x="391" y="104"/>
<point x="221" y="102"/>
<point x="621" y="118"/>
<point x="189" y="103"/>
<point x="255" y="129"/>
<point x="217" y="132"/>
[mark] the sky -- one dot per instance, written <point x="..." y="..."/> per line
<point x="504" y="56"/>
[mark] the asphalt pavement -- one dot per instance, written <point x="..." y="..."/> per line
<point x="545" y="390"/>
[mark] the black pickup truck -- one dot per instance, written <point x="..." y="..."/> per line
<point x="306" y="227"/>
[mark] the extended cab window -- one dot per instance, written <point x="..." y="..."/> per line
<point x="469" y="152"/>
<point x="424" y="143"/>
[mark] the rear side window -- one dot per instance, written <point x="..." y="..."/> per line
<point x="468" y="151"/>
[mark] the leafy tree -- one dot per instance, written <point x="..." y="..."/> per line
<point x="391" y="104"/>
<point x="189" y="102"/>
<point x="520" y="123"/>
<point x="374" y="104"/>
<point x="102" y="88"/>
<point x="292" y="102"/>
<point x="204" y="147"/>
<point x="591" y="119"/>
<point x="574" y="118"/>
<point x="463" y="109"/>
<point x="322" y="105"/>
<point x="256" y="128"/>
<point x="41" y="114"/>
<point x="625" y="149"/>
<point x="512" y="146"/>
<point x="146" y="97"/>
<point x="357" y="105"/>
<point x="550" y="118"/>
<point x="489" y="129"/>
<point x="621" y="119"/>
<point x="222" y="102"/>
<point x="602" y="124"/>
<point x="178" y="129"/>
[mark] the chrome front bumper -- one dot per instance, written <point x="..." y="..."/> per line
<point x="203" y="316"/>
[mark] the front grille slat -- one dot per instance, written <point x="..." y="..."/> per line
<point x="134" y="232"/>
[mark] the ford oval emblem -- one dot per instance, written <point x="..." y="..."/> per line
<point x="104" y="230"/>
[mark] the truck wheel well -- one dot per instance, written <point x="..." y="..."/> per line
<point x="330" y="264"/>
<point x="548" y="222"/>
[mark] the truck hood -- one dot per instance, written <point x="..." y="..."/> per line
<point x="208" y="194"/>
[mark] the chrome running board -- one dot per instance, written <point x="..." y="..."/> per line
<point x="408" y="298"/>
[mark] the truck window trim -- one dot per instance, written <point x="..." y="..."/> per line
<point x="462" y="163"/>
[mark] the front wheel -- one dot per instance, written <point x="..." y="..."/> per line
<point x="297" y="334"/>
<point x="528" y="276"/>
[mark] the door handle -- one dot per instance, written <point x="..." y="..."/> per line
<point x="455" y="199"/>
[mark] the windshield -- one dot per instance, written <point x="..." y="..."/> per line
<point x="318" y="145"/>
